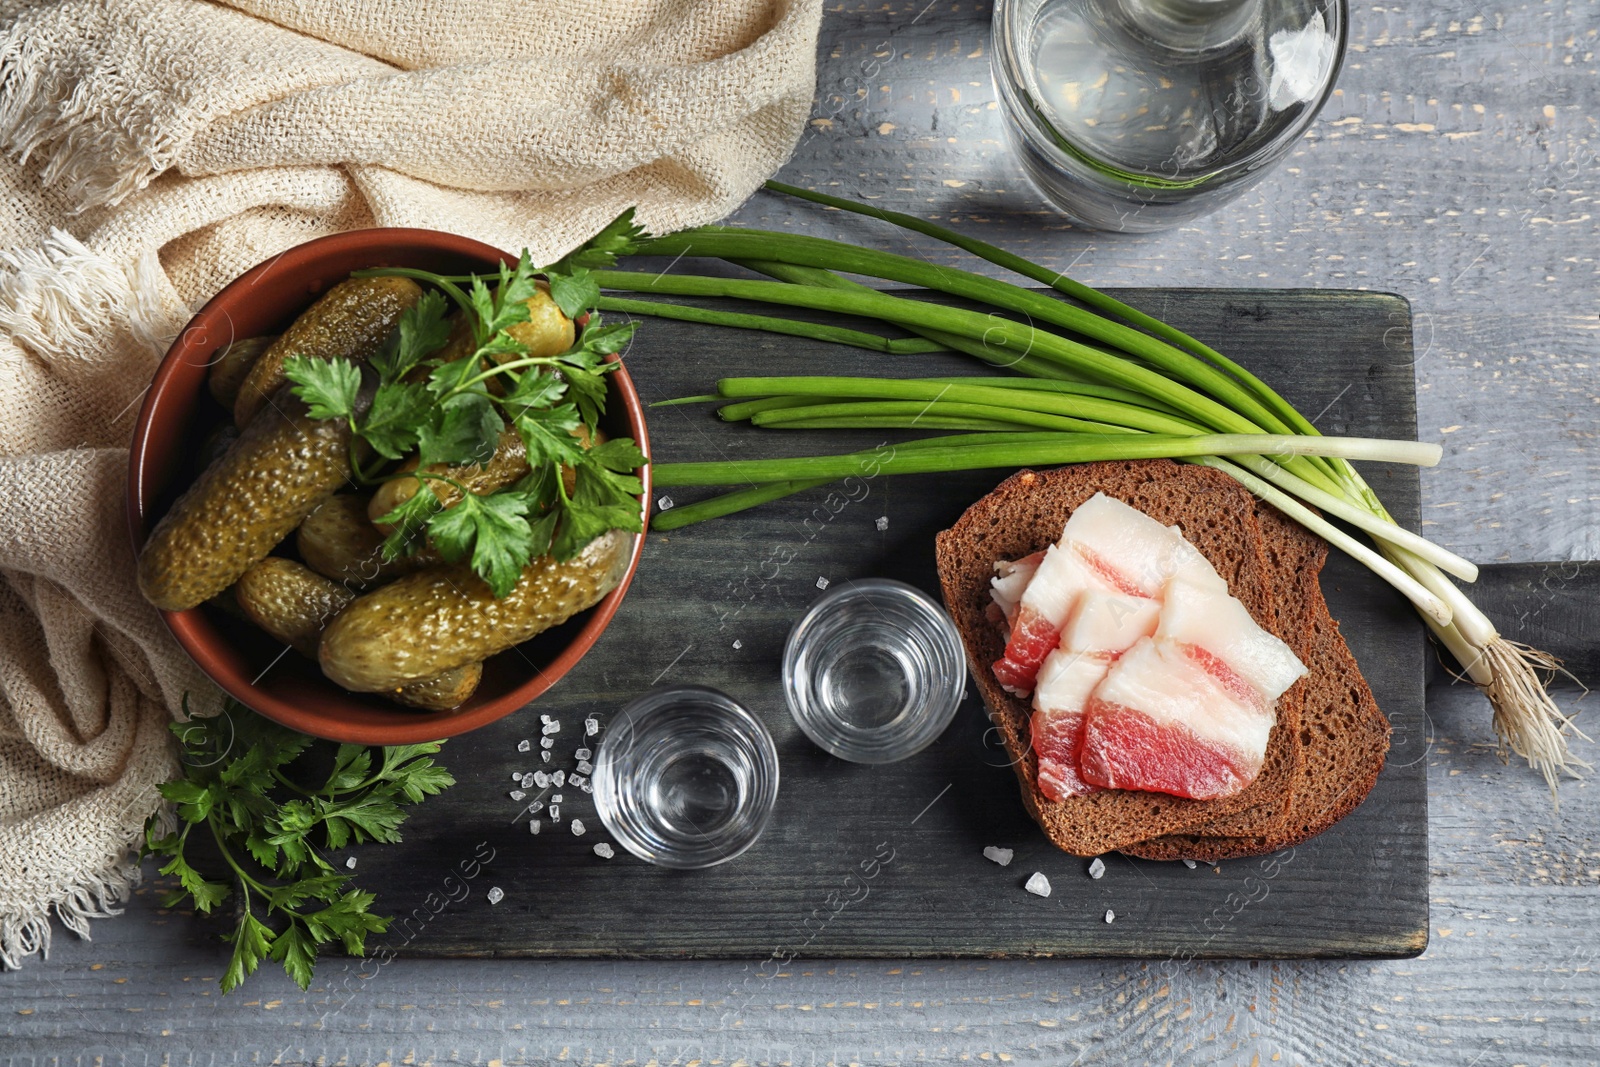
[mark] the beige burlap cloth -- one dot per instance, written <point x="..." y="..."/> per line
<point x="157" y="148"/>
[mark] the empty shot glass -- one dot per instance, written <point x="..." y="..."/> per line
<point x="874" y="671"/>
<point x="686" y="777"/>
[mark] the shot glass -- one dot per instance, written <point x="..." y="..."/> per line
<point x="686" y="777"/>
<point x="874" y="672"/>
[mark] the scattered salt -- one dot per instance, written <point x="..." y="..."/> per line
<point x="582" y="754"/>
<point x="1038" y="885"/>
<point x="1191" y="864"/>
<point x="558" y="779"/>
<point x="586" y="787"/>
<point x="604" y="851"/>
<point x="524" y="745"/>
<point x="822" y="583"/>
<point x="545" y="755"/>
<point x="516" y="776"/>
<point x="1097" y="867"/>
<point x="547" y="743"/>
<point x="350" y="864"/>
<point x="541" y="779"/>
<point x="577" y="828"/>
<point x="665" y="503"/>
<point x="527" y="781"/>
<point x="517" y="794"/>
<point x="1002" y="856"/>
<point x="555" y="813"/>
<point x="544" y="719"/>
<point x="737" y="644"/>
<point x="496" y="895"/>
<point x="555" y="800"/>
<point x="552" y="727"/>
<point x="882" y="522"/>
<point x="537" y="805"/>
<point x="1111" y="916"/>
<point x="577" y="780"/>
<point x="585" y="767"/>
<point x="533" y="826"/>
<point x="591" y="727"/>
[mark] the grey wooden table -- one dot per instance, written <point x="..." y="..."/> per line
<point x="1458" y="165"/>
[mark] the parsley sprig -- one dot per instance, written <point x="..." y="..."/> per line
<point x="267" y="804"/>
<point x="448" y="415"/>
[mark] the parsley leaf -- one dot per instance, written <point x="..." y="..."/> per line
<point x="422" y="329"/>
<point x="273" y="804"/>
<point x="464" y="429"/>
<point x="574" y="291"/>
<point x="408" y="520"/>
<point x="328" y="386"/>
<point x="492" y="528"/>
<point x="399" y="410"/>
<point x="618" y="238"/>
<point x="547" y="432"/>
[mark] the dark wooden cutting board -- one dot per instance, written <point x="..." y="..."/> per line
<point x="888" y="860"/>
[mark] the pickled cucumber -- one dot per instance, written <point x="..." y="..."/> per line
<point x="295" y="604"/>
<point x="445" y="617"/>
<point x="443" y="691"/>
<point x="339" y="542"/>
<point x="231" y="365"/>
<point x="291" y="602"/>
<point x="509" y="462"/>
<point x="283" y="464"/>
<point x="351" y="320"/>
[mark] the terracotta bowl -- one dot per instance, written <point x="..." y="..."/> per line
<point x="179" y="413"/>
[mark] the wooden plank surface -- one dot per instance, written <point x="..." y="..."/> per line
<point x="887" y="860"/>
<point x="1457" y="164"/>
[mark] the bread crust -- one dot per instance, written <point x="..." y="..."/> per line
<point x="1024" y="514"/>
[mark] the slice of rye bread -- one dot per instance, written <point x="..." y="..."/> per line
<point x="1026" y="513"/>
<point x="1345" y="738"/>
<point x="1293" y="550"/>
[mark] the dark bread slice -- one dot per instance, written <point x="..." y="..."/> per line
<point x="1293" y="551"/>
<point x="1026" y="513"/>
<point x="1345" y="739"/>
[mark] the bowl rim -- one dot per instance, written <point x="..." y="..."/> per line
<point x="408" y="727"/>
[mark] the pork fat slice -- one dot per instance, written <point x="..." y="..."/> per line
<point x="1104" y="545"/>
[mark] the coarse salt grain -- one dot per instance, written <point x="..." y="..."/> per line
<point x="558" y="779"/>
<point x="496" y="895"/>
<point x="517" y="794"/>
<point x="541" y="779"/>
<point x="527" y="781"/>
<point x="585" y="767"/>
<point x="524" y="745"/>
<point x="1038" y="885"/>
<point x="555" y="813"/>
<point x="544" y="718"/>
<point x="577" y="828"/>
<point x="586" y="786"/>
<point x="577" y="780"/>
<point x="603" y="850"/>
<point x="516" y="776"/>
<point x="552" y="727"/>
<point x="582" y="754"/>
<point x="537" y="805"/>
<point x="350" y="864"/>
<point x="1002" y="856"/>
<point x="665" y="503"/>
<point x="1111" y="916"/>
<point x="591" y="727"/>
<point x="547" y="743"/>
<point x="737" y="644"/>
<point x="555" y="800"/>
<point x="882" y="523"/>
<point x="1191" y="864"/>
<point x="533" y="826"/>
<point x="1097" y="867"/>
<point x="545" y="756"/>
<point x="822" y="583"/>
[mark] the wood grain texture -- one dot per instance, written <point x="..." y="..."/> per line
<point x="887" y="860"/>
<point x="1458" y="166"/>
